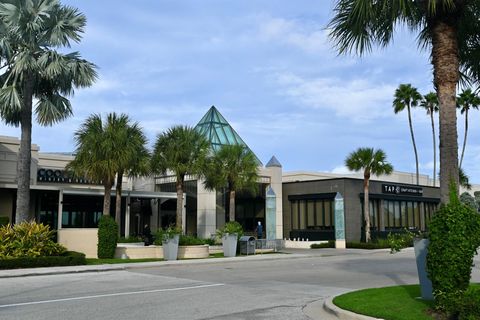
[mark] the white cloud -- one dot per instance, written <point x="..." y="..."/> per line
<point x="341" y="170"/>
<point x="357" y="99"/>
<point x="308" y="37"/>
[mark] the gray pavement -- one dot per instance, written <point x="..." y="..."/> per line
<point x="270" y="286"/>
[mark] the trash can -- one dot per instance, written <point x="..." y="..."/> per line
<point x="247" y="245"/>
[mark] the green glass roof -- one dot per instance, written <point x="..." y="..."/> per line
<point x="218" y="131"/>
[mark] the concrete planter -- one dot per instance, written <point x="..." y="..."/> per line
<point x="170" y="248"/>
<point x="193" y="252"/>
<point x="229" y="243"/>
<point x="138" y="251"/>
<point x="421" y="250"/>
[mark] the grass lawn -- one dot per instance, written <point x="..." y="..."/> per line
<point x="390" y="303"/>
<point x="91" y="261"/>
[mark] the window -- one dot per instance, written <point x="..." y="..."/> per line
<point x="312" y="214"/>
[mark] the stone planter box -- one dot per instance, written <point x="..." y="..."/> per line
<point x="138" y="251"/>
<point x="193" y="252"/>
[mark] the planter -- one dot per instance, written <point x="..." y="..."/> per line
<point x="421" y="250"/>
<point x="170" y="248"/>
<point x="193" y="252"/>
<point x="229" y="243"/>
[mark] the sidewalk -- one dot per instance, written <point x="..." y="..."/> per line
<point x="284" y="254"/>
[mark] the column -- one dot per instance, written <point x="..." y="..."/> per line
<point x="127" y="217"/>
<point x="60" y="209"/>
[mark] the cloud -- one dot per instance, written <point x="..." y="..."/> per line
<point x="309" y="37"/>
<point x="341" y="170"/>
<point x="357" y="99"/>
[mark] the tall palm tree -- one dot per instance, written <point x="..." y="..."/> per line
<point x="448" y="27"/>
<point x="430" y="103"/>
<point x="465" y="101"/>
<point x="407" y="96"/>
<point x="371" y="162"/>
<point x="234" y="167"/>
<point x="30" y="33"/>
<point x="132" y="155"/>
<point x="105" y="150"/>
<point x="181" y="150"/>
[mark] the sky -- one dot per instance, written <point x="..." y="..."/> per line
<point x="271" y="70"/>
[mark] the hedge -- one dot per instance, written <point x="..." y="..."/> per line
<point x="69" y="258"/>
<point x="4" y="221"/>
<point x="107" y="237"/>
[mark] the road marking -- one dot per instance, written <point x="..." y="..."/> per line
<point x="110" y="295"/>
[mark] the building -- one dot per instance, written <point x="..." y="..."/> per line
<point x="206" y="211"/>
<point x="395" y="204"/>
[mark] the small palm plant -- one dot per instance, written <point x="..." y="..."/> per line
<point x="371" y="162"/>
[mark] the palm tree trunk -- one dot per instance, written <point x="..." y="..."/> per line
<point x="118" y="201"/>
<point x="25" y="154"/>
<point x="106" y="198"/>
<point x="434" y="149"/>
<point x="445" y="63"/>
<point x="179" y="186"/>
<point x="413" y="142"/>
<point x="464" y="138"/>
<point x="231" y="214"/>
<point x="366" y="207"/>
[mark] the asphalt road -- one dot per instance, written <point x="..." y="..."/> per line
<point x="269" y="289"/>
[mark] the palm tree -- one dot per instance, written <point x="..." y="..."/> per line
<point x="108" y="150"/>
<point x="132" y="155"/>
<point x="234" y="167"/>
<point x="371" y="162"/>
<point x="464" y="179"/>
<point x="30" y="33"/>
<point x="466" y="101"/>
<point x="181" y="150"/>
<point x="407" y="96"/>
<point x="448" y="27"/>
<point x="430" y="103"/>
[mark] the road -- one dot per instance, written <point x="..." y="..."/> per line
<point x="267" y="289"/>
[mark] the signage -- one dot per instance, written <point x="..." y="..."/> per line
<point x="402" y="190"/>
<point x="61" y="176"/>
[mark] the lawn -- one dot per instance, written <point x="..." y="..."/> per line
<point x="390" y="303"/>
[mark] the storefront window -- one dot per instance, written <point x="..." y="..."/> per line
<point x="312" y="214"/>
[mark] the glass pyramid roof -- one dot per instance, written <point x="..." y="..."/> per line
<point x="218" y="131"/>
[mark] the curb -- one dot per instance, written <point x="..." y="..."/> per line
<point x="342" y="314"/>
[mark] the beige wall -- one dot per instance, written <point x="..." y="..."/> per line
<point x="81" y="240"/>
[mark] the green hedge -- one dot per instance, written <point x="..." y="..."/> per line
<point x="68" y="258"/>
<point x="107" y="237"/>
<point x="380" y="244"/>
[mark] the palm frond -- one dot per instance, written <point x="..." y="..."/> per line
<point x="52" y="109"/>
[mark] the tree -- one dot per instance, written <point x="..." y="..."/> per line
<point x="234" y="167"/>
<point x="466" y="198"/>
<point x="181" y="150"/>
<point x="465" y="101"/>
<point x="132" y="155"/>
<point x="105" y="150"/>
<point x="407" y="96"/>
<point x="464" y="179"/>
<point x="448" y="27"/>
<point x="30" y="33"/>
<point x="371" y="162"/>
<point x="430" y="103"/>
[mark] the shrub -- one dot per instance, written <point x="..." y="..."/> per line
<point x="164" y="234"/>
<point x="231" y="227"/>
<point x="454" y="234"/>
<point x="107" y="237"/>
<point x="68" y="258"/>
<point x="191" y="241"/>
<point x="4" y="221"/>
<point x="398" y="241"/>
<point x="380" y="244"/>
<point x="469" y="306"/>
<point x="329" y="244"/>
<point x="28" y="239"/>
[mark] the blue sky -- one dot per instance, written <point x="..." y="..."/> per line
<point x="269" y="68"/>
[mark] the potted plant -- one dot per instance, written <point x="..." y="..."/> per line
<point x="420" y="243"/>
<point x="230" y="234"/>
<point x="169" y="239"/>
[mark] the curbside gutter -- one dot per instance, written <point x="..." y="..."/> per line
<point x="342" y="314"/>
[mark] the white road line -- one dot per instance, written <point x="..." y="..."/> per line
<point x="110" y="295"/>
